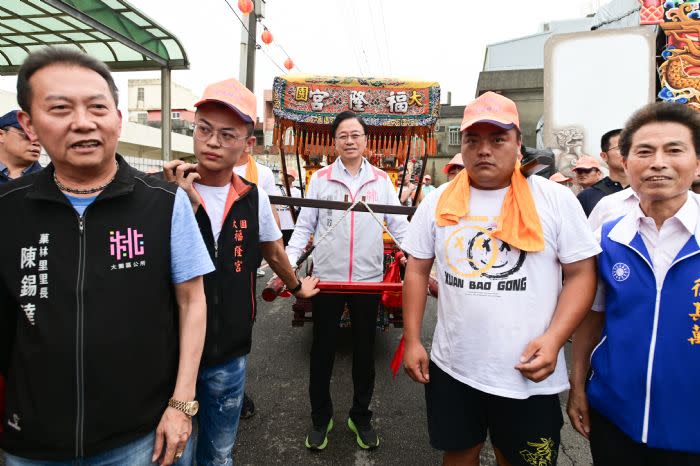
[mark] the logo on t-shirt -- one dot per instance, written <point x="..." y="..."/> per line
<point x="471" y="252"/>
<point x="620" y="272"/>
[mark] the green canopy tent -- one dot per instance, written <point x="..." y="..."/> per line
<point x="110" y="30"/>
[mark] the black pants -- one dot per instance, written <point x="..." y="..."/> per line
<point x="286" y="236"/>
<point x="611" y="447"/>
<point x="327" y="310"/>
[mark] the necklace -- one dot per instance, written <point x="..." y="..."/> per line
<point x="97" y="189"/>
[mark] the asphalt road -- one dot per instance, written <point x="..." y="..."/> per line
<point x="278" y="383"/>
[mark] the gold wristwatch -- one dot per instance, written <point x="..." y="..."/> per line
<point x="188" y="407"/>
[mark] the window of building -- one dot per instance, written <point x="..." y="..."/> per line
<point x="139" y="93"/>
<point x="454" y="136"/>
<point x="175" y="115"/>
<point x="142" y="118"/>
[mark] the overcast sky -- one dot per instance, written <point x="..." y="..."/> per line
<point x="435" y="40"/>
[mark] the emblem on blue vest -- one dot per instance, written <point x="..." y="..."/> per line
<point x="620" y="272"/>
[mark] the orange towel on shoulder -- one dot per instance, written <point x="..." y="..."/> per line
<point x="518" y="223"/>
<point x="251" y="170"/>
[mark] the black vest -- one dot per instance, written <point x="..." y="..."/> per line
<point x="230" y="289"/>
<point x="88" y="315"/>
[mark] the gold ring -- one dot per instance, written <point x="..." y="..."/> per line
<point x="178" y="455"/>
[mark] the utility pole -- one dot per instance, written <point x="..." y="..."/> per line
<point x="249" y="46"/>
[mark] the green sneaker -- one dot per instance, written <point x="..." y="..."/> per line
<point x="318" y="437"/>
<point x="367" y="438"/>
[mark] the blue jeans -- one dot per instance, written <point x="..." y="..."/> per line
<point x="136" y="453"/>
<point x="220" y="394"/>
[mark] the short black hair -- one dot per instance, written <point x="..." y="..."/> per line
<point x="347" y="115"/>
<point x="53" y="55"/>
<point x="605" y="139"/>
<point x="661" y="112"/>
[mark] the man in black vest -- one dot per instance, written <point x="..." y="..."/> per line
<point x="615" y="181"/>
<point x="102" y="306"/>
<point x="236" y="221"/>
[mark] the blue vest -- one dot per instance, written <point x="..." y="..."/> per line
<point x="646" y="369"/>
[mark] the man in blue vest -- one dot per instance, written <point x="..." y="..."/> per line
<point x="637" y="406"/>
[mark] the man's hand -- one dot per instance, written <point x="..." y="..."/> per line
<point x="169" y="169"/>
<point x="308" y="288"/>
<point x="577" y="409"/>
<point x="415" y="362"/>
<point x="539" y="359"/>
<point x="172" y="433"/>
<point x="184" y="174"/>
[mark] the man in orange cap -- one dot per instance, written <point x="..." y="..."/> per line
<point x="615" y="182"/>
<point x="454" y="166"/>
<point x="561" y="179"/>
<point x="587" y="170"/>
<point x="502" y="243"/>
<point x="235" y="218"/>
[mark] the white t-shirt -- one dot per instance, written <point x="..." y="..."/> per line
<point x="283" y="211"/>
<point x="266" y="179"/>
<point x="215" y="201"/>
<point x="495" y="298"/>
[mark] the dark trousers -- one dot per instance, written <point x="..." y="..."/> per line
<point x="612" y="447"/>
<point x="327" y="310"/>
<point x="286" y="236"/>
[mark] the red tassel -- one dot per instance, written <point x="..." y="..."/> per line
<point x="398" y="358"/>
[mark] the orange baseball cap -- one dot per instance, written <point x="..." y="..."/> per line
<point x="586" y="162"/>
<point x="234" y="95"/>
<point x="491" y="108"/>
<point x="559" y="178"/>
<point x="456" y="160"/>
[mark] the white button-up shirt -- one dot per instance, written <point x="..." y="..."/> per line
<point x="663" y="244"/>
<point x="612" y="206"/>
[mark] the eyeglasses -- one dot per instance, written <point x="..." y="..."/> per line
<point x="584" y="171"/>
<point x="12" y="129"/>
<point x="225" y="137"/>
<point x="613" y="148"/>
<point x="351" y="137"/>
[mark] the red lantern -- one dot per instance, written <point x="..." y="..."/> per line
<point x="266" y="37"/>
<point x="289" y="64"/>
<point x="246" y="6"/>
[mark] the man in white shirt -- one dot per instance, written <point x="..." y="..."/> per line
<point x="352" y="252"/>
<point x="265" y="178"/>
<point x="428" y="185"/>
<point x="644" y="323"/>
<point x="612" y="206"/>
<point x="496" y="364"/>
<point x="284" y="211"/>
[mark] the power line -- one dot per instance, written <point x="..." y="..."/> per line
<point x="362" y="43"/>
<point x="285" y="52"/>
<point x="376" y="41"/>
<point x="257" y="46"/>
<point x="351" y="42"/>
<point x="386" y="41"/>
